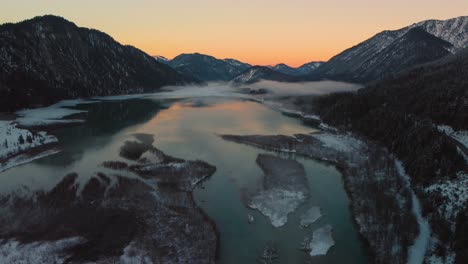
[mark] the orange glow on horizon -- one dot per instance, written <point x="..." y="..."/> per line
<point x="259" y="32"/>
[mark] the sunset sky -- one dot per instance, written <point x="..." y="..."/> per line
<point x="256" y="31"/>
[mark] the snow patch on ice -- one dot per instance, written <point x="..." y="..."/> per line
<point x="322" y="241"/>
<point x="53" y="114"/>
<point x="276" y="204"/>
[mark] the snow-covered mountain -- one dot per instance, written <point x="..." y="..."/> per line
<point x="453" y="30"/>
<point x="207" y="68"/>
<point x="362" y="62"/>
<point x="305" y="69"/>
<point x="258" y="73"/>
<point x="46" y="59"/>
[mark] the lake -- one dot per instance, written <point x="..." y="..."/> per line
<point x="190" y="129"/>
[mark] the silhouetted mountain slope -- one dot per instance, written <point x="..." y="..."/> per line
<point x="48" y="58"/>
<point x="207" y="68"/>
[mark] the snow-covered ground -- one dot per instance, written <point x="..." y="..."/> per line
<point x="322" y="241"/>
<point x="448" y="259"/>
<point x="455" y="193"/>
<point x="13" y="252"/>
<point x="14" y="140"/>
<point x="342" y="143"/>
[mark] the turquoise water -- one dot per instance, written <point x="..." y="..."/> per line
<point x="189" y="129"/>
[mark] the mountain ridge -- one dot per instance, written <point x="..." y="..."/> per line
<point x="303" y="70"/>
<point x="348" y="65"/>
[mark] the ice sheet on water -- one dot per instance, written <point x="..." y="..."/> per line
<point x="310" y="216"/>
<point x="53" y="114"/>
<point x="322" y="241"/>
<point x="284" y="188"/>
<point x="276" y="204"/>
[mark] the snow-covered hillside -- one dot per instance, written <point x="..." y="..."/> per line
<point x="18" y="137"/>
<point x="380" y="52"/>
<point x="14" y="140"/>
<point x="453" y="30"/>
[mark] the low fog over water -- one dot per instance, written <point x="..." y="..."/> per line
<point x="274" y="89"/>
<point x="305" y="88"/>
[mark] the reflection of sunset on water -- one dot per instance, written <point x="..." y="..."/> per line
<point x="219" y="118"/>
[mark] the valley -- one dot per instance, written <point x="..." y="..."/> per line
<point x="110" y="155"/>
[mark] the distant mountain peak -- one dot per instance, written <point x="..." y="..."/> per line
<point x="257" y="73"/>
<point x="207" y="67"/>
<point x="303" y="70"/>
